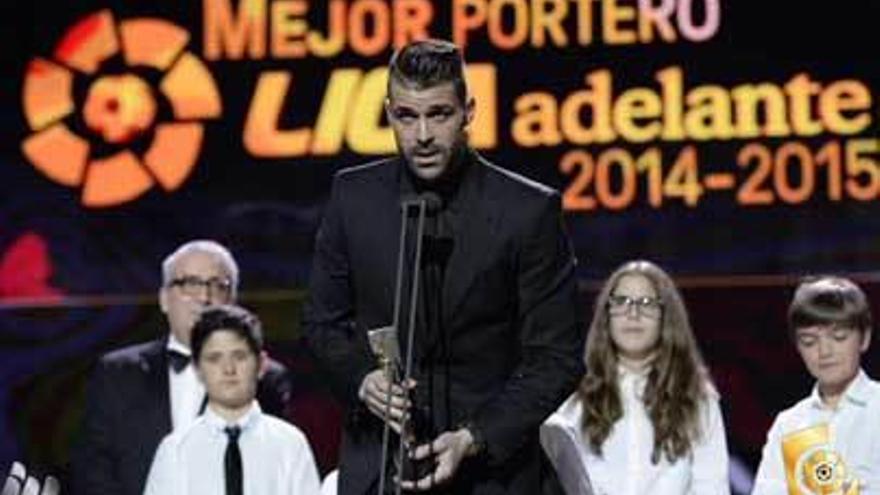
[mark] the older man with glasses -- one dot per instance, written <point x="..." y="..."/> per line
<point x="140" y="393"/>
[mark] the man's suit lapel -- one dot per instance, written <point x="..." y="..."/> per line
<point x="382" y="221"/>
<point x="157" y="421"/>
<point x="479" y="219"/>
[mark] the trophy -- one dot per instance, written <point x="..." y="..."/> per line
<point x="384" y="344"/>
<point x="813" y="466"/>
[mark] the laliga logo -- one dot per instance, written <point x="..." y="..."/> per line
<point x="119" y="109"/>
<point x="821" y="471"/>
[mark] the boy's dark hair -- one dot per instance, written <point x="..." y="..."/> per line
<point x="230" y="318"/>
<point x="829" y="300"/>
<point x="427" y="63"/>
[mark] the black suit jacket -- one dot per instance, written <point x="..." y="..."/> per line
<point x="128" y="413"/>
<point x="508" y="306"/>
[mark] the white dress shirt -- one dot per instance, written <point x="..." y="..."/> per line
<point x="275" y="455"/>
<point x="186" y="391"/>
<point x="854" y="428"/>
<point x="624" y="467"/>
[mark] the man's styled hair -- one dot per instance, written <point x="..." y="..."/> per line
<point x="428" y="63"/>
<point x="230" y="318"/>
<point x="213" y="248"/>
<point x="828" y="300"/>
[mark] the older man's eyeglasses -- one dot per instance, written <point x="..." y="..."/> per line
<point x="645" y="305"/>
<point x="195" y="286"/>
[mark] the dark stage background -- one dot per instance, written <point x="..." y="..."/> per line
<point x="734" y="143"/>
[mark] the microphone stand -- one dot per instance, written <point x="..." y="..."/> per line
<point x="384" y="340"/>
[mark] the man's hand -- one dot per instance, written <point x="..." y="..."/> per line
<point x="18" y="483"/>
<point x="449" y="449"/>
<point x="388" y="401"/>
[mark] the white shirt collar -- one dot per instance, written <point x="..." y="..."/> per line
<point x="636" y="380"/>
<point x="245" y="422"/>
<point x="627" y="372"/>
<point x="176" y="345"/>
<point x="856" y="393"/>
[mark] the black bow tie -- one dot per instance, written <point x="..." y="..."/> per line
<point x="177" y="360"/>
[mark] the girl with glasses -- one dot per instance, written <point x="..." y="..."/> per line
<point x="645" y="418"/>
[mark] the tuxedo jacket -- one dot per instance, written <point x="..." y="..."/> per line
<point x="508" y="308"/>
<point x="128" y="413"/>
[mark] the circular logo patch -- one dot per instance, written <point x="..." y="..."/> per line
<point x="111" y="138"/>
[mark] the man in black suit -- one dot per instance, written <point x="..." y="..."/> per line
<point x="498" y="348"/>
<point x="140" y="393"/>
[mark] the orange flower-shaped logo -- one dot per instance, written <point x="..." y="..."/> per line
<point x="141" y="99"/>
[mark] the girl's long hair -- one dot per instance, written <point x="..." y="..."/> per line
<point x="677" y="382"/>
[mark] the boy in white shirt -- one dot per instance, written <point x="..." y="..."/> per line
<point x="829" y="442"/>
<point x="233" y="448"/>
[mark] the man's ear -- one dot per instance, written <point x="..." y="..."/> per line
<point x="866" y="340"/>
<point x="469" y="112"/>
<point x="387" y="105"/>
<point x="163" y="299"/>
<point x="263" y="359"/>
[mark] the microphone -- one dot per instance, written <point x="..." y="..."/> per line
<point x="433" y="202"/>
<point x="438" y="242"/>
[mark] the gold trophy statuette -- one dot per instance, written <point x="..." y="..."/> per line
<point x="383" y="343"/>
